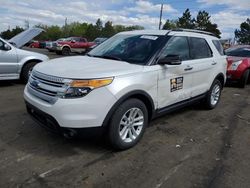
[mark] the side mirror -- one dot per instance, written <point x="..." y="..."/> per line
<point x="170" y="60"/>
<point x="73" y="41"/>
<point x="6" y="47"/>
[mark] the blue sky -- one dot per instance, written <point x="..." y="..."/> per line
<point x="228" y="14"/>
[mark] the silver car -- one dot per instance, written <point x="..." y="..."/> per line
<point x="16" y="63"/>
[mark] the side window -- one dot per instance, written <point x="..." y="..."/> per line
<point x="76" y="39"/>
<point x="177" y="46"/>
<point x="219" y="47"/>
<point x="199" y="48"/>
<point x="83" y="40"/>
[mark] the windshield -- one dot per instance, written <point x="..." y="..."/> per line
<point x="135" y="49"/>
<point x="238" y="52"/>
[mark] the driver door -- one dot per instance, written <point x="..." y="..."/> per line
<point x="8" y="60"/>
<point x="175" y="81"/>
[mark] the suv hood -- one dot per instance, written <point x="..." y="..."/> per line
<point x="83" y="67"/>
<point x="22" y="38"/>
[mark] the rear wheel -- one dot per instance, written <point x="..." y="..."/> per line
<point x="66" y="51"/>
<point x="213" y="96"/>
<point x="26" y="71"/>
<point x="128" y="124"/>
<point x="244" y="79"/>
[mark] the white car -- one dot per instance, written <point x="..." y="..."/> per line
<point x="125" y="82"/>
<point x="16" y="63"/>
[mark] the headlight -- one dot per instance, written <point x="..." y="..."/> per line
<point x="234" y="65"/>
<point x="80" y="88"/>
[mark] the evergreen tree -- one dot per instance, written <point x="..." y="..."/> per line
<point x="203" y="23"/>
<point x="186" y="21"/>
<point x="242" y="35"/>
<point x="169" y="24"/>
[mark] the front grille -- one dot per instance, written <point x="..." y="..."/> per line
<point x="45" y="86"/>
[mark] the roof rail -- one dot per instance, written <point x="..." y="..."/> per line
<point x="194" y="31"/>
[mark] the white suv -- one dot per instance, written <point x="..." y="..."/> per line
<point x="125" y="82"/>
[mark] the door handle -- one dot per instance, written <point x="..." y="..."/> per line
<point x="188" y="68"/>
<point x="214" y="63"/>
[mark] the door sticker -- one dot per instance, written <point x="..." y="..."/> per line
<point x="176" y="84"/>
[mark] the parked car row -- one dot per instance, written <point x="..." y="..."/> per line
<point x="66" y="46"/>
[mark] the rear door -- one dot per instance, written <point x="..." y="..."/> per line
<point x="203" y="65"/>
<point x="79" y="45"/>
<point x="175" y="81"/>
<point x="8" y="60"/>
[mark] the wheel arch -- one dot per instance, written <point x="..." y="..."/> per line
<point x="29" y="61"/>
<point x="138" y="94"/>
<point x="66" y="46"/>
<point x="221" y="78"/>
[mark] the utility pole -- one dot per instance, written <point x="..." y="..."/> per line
<point x="65" y="24"/>
<point x="160" y="17"/>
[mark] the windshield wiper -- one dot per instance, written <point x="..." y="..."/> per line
<point x="89" y="55"/>
<point x="106" y="57"/>
<point x="111" y="57"/>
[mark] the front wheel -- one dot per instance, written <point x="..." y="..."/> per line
<point x="213" y="95"/>
<point x="26" y="71"/>
<point x="128" y="124"/>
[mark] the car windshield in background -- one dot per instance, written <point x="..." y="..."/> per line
<point x="238" y="52"/>
<point x="137" y="49"/>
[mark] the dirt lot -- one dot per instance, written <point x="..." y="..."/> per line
<point x="189" y="148"/>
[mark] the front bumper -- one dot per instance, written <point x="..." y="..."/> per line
<point x="86" y="112"/>
<point x="56" y="48"/>
<point x="234" y="74"/>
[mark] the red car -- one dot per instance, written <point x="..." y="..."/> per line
<point x="238" y="68"/>
<point x="35" y="44"/>
<point x="72" y="44"/>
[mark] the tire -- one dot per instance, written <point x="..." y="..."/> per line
<point x="66" y="51"/>
<point x="244" y="79"/>
<point x="131" y="133"/>
<point x="213" y="96"/>
<point x="26" y="71"/>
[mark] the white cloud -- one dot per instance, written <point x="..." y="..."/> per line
<point x="233" y="4"/>
<point x="148" y="7"/>
<point x="83" y="11"/>
<point x="227" y="22"/>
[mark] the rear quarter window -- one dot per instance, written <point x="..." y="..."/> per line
<point x="199" y="48"/>
<point x="219" y="47"/>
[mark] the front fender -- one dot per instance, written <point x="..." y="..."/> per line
<point x="28" y="59"/>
